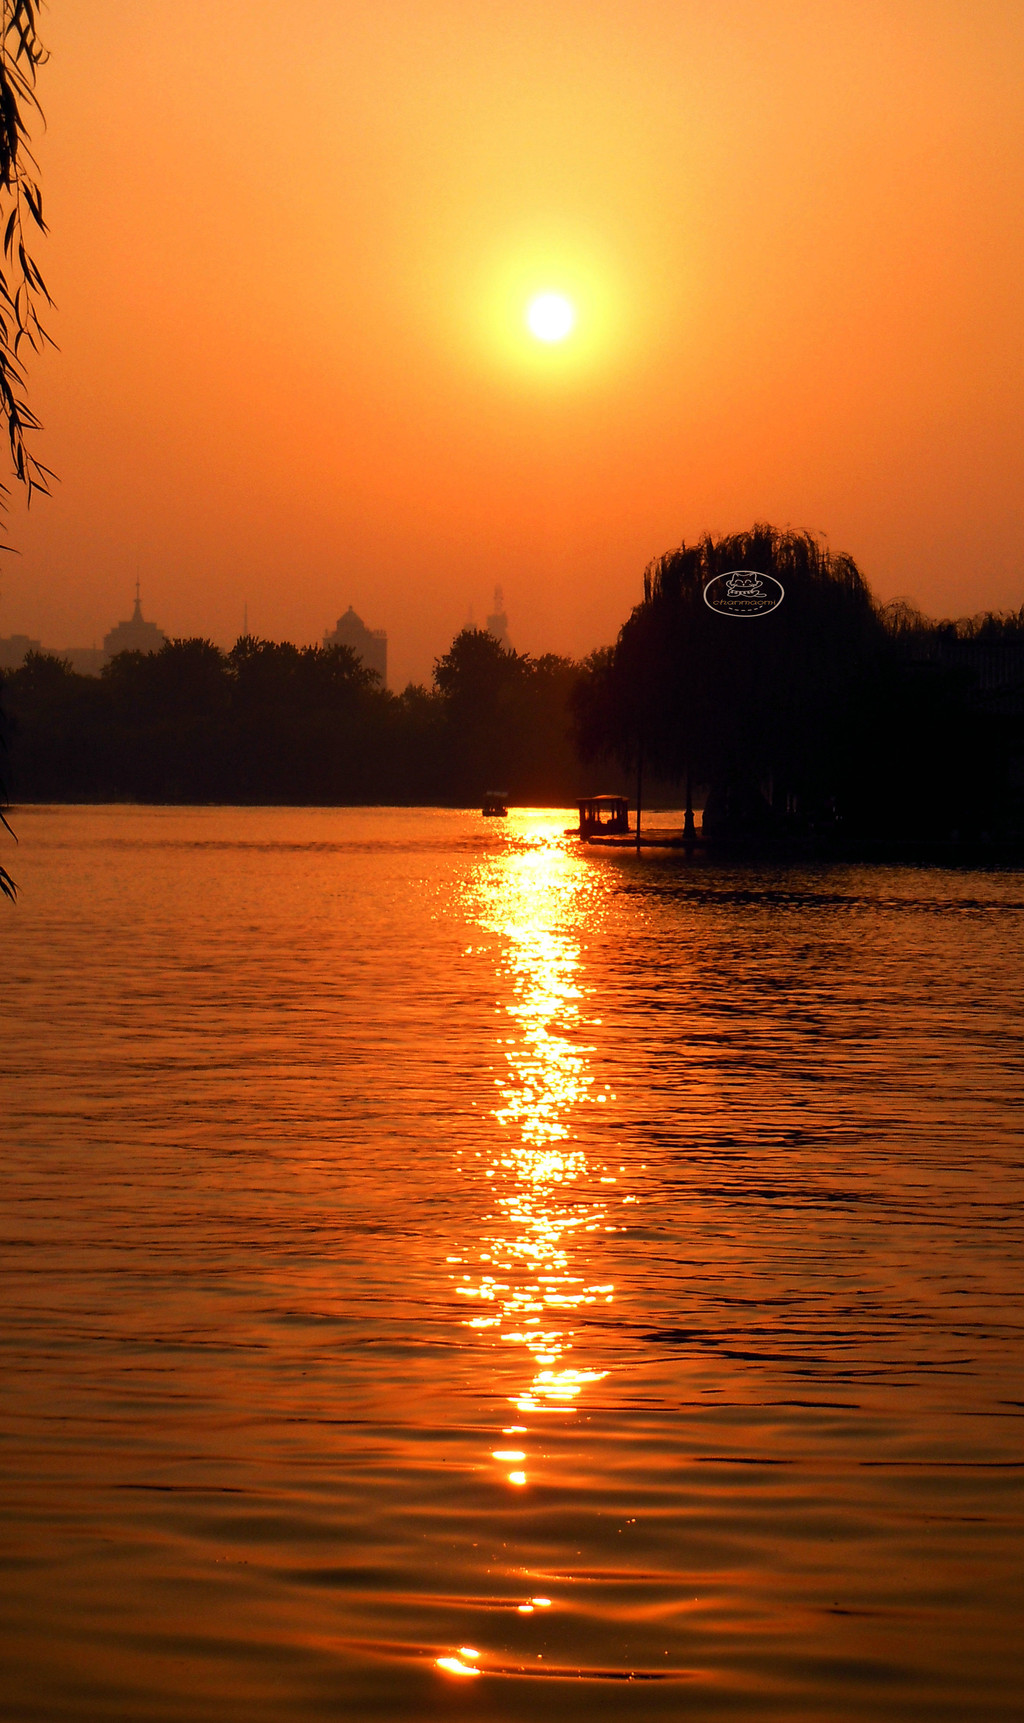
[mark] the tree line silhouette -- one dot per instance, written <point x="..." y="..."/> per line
<point x="269" y="722"/>
<point x="830" y="716"/>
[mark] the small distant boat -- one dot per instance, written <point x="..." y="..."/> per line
<point x="495" y="804"/>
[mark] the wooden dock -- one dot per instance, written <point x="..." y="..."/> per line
<point x="651" y="838"/>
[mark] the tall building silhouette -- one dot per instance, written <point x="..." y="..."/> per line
<point x="138" y="635"/>
<point x="370" y="645"/>
<point x="497" y="622"/>
<point x="14" y="649"/>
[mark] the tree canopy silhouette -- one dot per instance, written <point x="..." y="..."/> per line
<point x="272" y="722"/>
<point x="732" y="701"/>
<point x="505" y="720"/>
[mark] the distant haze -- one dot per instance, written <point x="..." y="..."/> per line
<point x="292" y="269"/>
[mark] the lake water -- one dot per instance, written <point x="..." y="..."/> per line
<point x="450" y="1274"/>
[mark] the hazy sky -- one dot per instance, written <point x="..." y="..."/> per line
<point x="292" y="246"/>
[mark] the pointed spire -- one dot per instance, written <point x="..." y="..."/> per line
<point x="497" y="623"/>
<point x="138" y="635"/>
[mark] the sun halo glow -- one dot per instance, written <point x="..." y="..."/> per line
<point x="550" y="317"/>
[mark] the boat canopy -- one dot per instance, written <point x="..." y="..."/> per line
<point x="606" y="814"/>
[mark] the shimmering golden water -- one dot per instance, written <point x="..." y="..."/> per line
<point x="449" y="1274"/>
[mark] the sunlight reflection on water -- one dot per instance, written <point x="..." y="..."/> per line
<point x="532" y="1269"/>
<point x="431" y="1251"/>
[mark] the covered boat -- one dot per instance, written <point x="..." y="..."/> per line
<point x="603" y="816"/>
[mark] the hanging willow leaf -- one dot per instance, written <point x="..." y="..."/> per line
<point x="22" y="288"/>
<point x="21" y="285"/>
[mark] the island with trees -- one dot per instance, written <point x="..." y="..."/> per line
<point x="832" y="720"/>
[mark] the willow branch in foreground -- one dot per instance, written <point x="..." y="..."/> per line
<point x="23" y="292"/>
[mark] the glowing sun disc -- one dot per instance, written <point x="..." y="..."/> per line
<point x="550" y="317"/>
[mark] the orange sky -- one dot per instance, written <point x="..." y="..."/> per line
<point x="291" y="247"/>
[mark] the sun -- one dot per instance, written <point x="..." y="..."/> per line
<point x="550" y="317"/>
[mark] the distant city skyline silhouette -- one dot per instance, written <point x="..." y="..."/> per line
<point x="138" y="634"/>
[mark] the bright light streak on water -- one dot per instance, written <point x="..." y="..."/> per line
<point x="545" y="1195"/>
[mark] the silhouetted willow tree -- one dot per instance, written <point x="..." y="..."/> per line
<point x="734" y="701"/>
